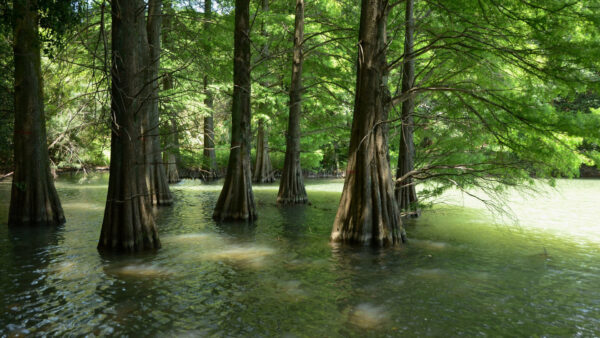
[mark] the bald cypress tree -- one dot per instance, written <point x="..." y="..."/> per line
<point x="128" y="225"/>
<point x="236" y="201"/>
<point x="263" y="170"/>
<point x="158" y="184"/>
<point x="34" y="199"/>
<point x="406" y="193"/>
<point x="291" y="187"/>
<point x="368" y="212"/>
<point x="209" y="164"/>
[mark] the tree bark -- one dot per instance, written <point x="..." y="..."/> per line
<point x="368" y="212"/>
<point x="236" y="201"/>
<point x="128" y="225"/>
<point x="336" y="159"/>
<point x="34" y="199"/>
<point x="406" y="194"/>
<point x="263" y="170"/>
<point x="291" y="187"/>
<point x="210" y="157"/>
<point x="171" y="154"/>
<point x="171" y="167"/>
<point x="158" y="185"/>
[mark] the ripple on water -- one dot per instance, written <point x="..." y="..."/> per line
<point x="430" y="273"/>
<point x="68" y="270"/>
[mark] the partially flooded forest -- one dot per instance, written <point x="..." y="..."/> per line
<point x="299" y="168"/>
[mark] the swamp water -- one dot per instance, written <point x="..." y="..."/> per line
<point x="460" y="273"/>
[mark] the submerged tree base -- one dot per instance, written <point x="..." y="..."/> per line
<point x="412" y="214"/>
<point x="298" y="199"/>
<point x="236" y="201"/>
<point x="128" y="225"/>
<point x="291" y="189"/>
<point x="171" y="168"/>
<point x="34" y="200"/>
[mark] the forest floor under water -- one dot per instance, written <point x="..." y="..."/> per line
<point x="462" y="271"/>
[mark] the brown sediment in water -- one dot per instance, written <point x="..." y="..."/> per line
<point x="139" y="270"/>
<point x="368" y="316"/>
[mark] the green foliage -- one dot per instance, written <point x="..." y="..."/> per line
<point x="488" y="74"/>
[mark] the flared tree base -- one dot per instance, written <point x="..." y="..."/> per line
<point x="368" y="213"/>
<point x="159" y="191"/>
<point x="128" y="228"/>
<point x="294" y="193"/>
<point x="34" y="202"/>
<point x="408" y="202"/>
<point x="236" y="201"/>
<point x="172" y="172"/>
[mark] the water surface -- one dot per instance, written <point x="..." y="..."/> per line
<point x="463" y="272"/>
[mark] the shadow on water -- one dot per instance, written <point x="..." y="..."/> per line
<point x="294" y="225"/>
<point x="242" y="230"/>
<point x="362" y="274"/>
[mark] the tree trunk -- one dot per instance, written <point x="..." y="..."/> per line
<point x="171" y="154"/>
<point x="128" y="225"/>
<point x="406" y="194"/>
<point x="336" y="159"/>
<point x="171" y="167"/>
<point x="33" y="197"/>
<point x="291" y="187"/>
<point x="173" y="144"/>
<point x="236" y="201"/>
<point x="158" y="185"/>
<point x="263" y="170"/>
<point x="368" y="212"/>
<point x="210" y="157"/>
